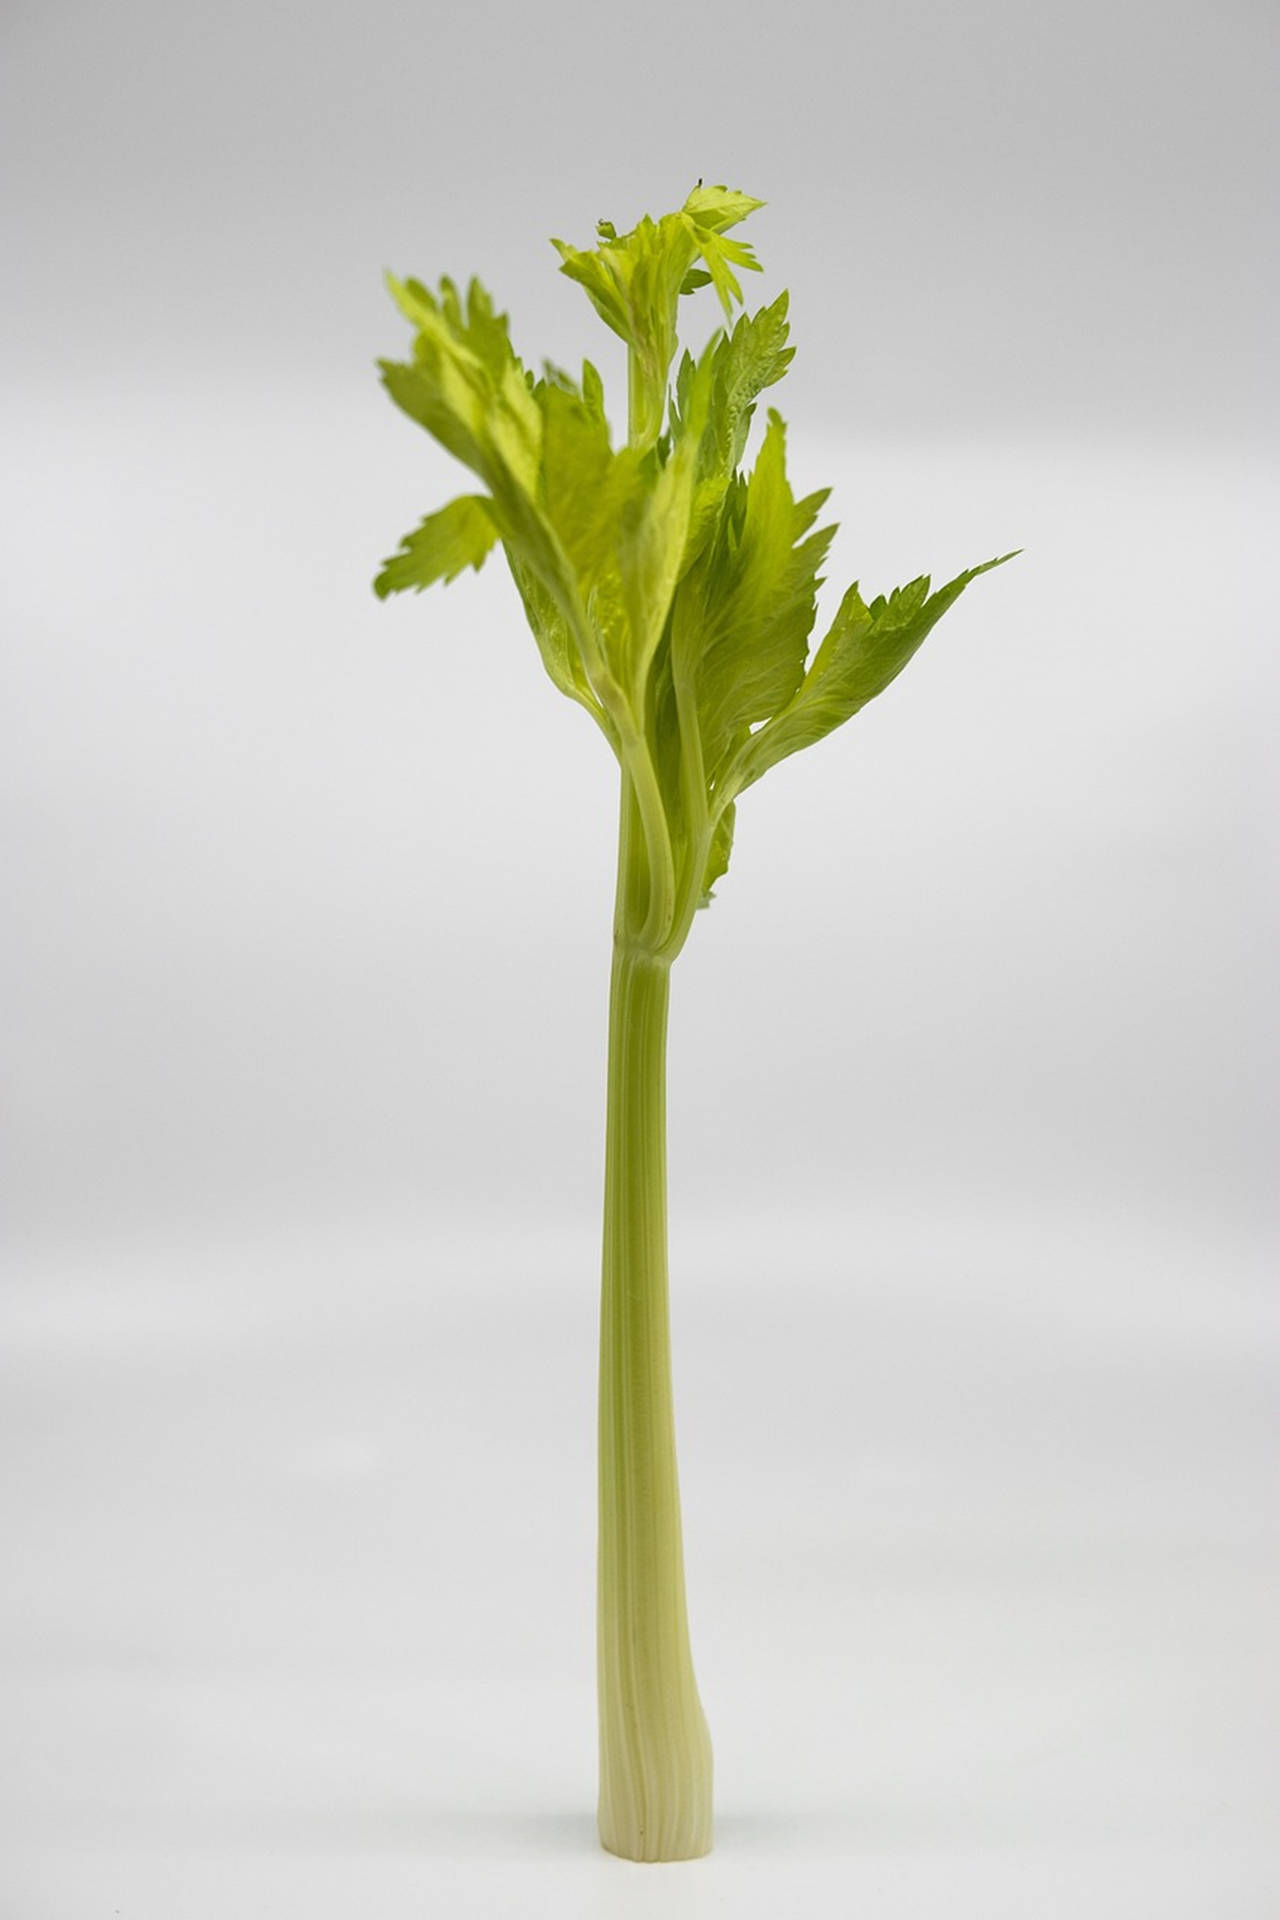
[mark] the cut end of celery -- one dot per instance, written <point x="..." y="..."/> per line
<point x="678" y="1823"/>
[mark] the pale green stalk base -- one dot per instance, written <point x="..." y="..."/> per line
<point x="655" y="1751"/>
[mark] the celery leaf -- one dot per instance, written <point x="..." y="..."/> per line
<point x="458" y="536"/>
<point x="865" y="650"/>
<point x="634" y="281"/>
<point x="744" y="612"/>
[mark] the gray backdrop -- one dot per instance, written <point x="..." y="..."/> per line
<point x="308" y="909"/>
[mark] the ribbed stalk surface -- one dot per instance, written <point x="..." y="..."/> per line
<point x="655" y="1751"/>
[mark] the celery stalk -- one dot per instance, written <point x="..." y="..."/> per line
<point x="655" y="1751"/>
<point x="672" y="593"/>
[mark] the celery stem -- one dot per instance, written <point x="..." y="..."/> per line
<point x="655" y="1751"/>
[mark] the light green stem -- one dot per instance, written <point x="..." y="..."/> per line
<point x="655" y="1751"/>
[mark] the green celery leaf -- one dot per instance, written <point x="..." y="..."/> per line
<point x="458" y="536"/>
<point x="467" y="388"/>
<point x="634" y="280"/>
<point x="755" y="355"/>
<point x="865" y="650"/>
<point x="584" y="486"/>
<point x="652" y="550"/>
<point x="592" y="390"/>
<point x="556" y="642"/>
<point x="718" y="859"/>
<point x="744" y="611"/>
<point x="719" y="207"/>
<point x="721" y="256"/>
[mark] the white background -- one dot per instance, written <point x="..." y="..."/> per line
<point x="972" y="1060"/>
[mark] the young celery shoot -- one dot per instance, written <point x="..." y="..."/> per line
<point x="672" y="593"/>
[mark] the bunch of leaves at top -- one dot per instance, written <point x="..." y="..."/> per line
<point x="672" y="591"/>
